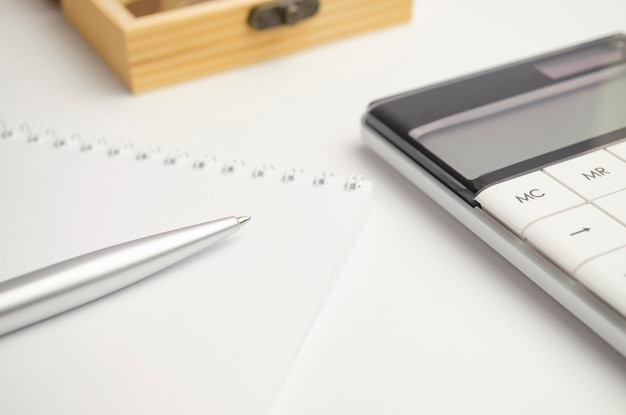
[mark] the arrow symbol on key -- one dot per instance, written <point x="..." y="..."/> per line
<point x="580" y="231"/>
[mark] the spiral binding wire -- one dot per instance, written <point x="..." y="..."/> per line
<point x="322" y="179"/>
<point x="292" y="175"/>
<point x="153" y="153"/>
<point x="204" y="161"/>
<point x="233" y="166"/>
<point x="262" y="171"/>
<point x="6" y="132"/>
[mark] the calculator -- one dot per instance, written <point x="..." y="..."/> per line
<point x="531" y="157"/>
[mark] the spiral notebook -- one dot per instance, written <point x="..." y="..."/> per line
<point x="215" y="334"/>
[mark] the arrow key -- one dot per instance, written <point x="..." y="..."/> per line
<point x="575" y="236"/>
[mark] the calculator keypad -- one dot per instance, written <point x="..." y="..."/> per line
<point x="523" y="200"/>
<point x="606" y="276"/>
<point x="593" y="175"/>
<point x="574" y="213"/>
<point x="619" y="150"/>
<point x="614" y="205"/>
<point x="577" y="235"/>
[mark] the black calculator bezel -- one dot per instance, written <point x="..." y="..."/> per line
<point x="394" y="117"/>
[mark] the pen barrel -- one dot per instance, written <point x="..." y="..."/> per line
<point x="49" y="291"/>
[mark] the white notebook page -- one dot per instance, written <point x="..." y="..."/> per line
<point x="214" y="334"/>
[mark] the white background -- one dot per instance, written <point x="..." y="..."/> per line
<point x="426" y="318"/>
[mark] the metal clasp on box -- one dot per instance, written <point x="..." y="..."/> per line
<point x="282" y="12"/>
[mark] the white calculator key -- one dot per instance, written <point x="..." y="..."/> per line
<point x="619" y="150"/>
<point x="520" y="201"/>
<point x="606" y="276"/>
<point x="575" y="236"/>
<point x="592" y="175"/>
<point x="614" y="205"/>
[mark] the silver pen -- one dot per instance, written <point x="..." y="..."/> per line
<point x="49" y="291"/>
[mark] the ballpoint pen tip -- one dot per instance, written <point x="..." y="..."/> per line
<point x="243" y="219"/>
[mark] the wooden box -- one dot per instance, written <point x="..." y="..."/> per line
<point x="182" y="43"/>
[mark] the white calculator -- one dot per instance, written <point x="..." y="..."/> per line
<point x="532" y="158"/>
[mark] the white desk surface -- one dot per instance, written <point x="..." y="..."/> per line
<point x="426" y="318"/>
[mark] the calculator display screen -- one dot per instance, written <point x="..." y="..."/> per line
<point x="485" y="144"/>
